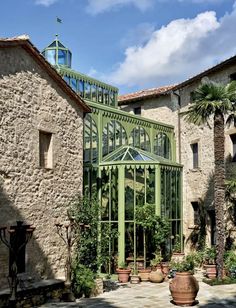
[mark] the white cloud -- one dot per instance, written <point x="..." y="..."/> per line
<point x="46" y="2"/>
<point x="100" y="6"/>
<point x="178" y="50"/>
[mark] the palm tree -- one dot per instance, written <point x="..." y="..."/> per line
<point x="214" y="100"/>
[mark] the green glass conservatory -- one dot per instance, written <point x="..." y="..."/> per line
<point x="129" y="161"/>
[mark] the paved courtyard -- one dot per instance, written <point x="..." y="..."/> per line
<point x="149" y="294"/>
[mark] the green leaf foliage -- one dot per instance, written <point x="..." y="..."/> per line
<point x="83" y="280"/>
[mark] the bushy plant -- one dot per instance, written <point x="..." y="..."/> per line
<point x="83" y="280"/>
<point x="123" y="265"/>
<point x="185" y="265"/>
<point x="209" y="255"/>
<point x="157" y="260"/>
<point x="197" y="257"/>
<point x="230" y="263"/>
<point x="177" y="244"/>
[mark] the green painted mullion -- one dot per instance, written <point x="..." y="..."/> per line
<point x="181" y="206"/>
<point x="99" y="173"/>
<point x="135" y="246"/>
<point x="121" y="214"/>
<point x="145" y="184"/>
<point x="158" y="190"/>
<point x="100" y="141"/>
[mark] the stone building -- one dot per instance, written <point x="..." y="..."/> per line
<point x="194" y="144"/>
<point x="41" y="153"/>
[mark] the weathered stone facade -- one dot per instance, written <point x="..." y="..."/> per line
<point x="197" y="182"/>
<point x="32" y="101"/>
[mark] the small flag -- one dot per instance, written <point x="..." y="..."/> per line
<point x="59" y="20"/>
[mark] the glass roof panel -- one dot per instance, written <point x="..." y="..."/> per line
<point x="128" y="153"/>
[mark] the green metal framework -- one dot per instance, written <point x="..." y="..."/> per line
<point x="129" y="161"/>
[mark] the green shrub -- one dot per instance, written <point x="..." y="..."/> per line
<point x="186" y="265"/>
<point x="83" y="281"/>
<point x="215" y="281"/>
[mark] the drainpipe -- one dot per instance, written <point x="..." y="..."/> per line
<point x="176" y="93"/>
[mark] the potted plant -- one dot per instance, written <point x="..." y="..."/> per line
<point x="177" y="254"/>
<point x="230" y="263"/>
<point x="156" y="274"/>
<point x="184" y="286"/>
<point x="209" y="257"/>
<point x="123" y="272"/>
<point x="134" y="277"/>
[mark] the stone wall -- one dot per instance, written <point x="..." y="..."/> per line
<point x="197" y="183"/>
<point x="30" y="101"/>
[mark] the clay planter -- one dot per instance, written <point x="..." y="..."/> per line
<point x="184" y="288"/>
<point x="134" y="279"/>
<point x="123" y="274"/>
<point x="144" y="274"/>
<point x="156" y="276"/>
<point x="210" y="270"/>
<point x="165" y="268"/>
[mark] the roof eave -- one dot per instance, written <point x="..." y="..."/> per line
<point x="27" y="45"/>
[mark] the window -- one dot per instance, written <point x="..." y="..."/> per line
<point x="194" y="147"/>
<point x="233" y="139"/>
<point x="196" y="214"/>
<point x="137" y="110"/>
<point x="233" y="76"/>
<point x="45" y="150"/>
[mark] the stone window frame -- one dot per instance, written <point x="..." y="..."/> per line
<point x="49" y="164"/>
<point x="229" y="140"/>
<point x="199" y="154"/>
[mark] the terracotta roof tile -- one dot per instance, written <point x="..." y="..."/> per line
<point x="143" y="94"/>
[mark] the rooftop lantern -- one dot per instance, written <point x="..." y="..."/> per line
<point x="57" y="54"/>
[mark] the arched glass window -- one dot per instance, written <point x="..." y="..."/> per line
<point x="113" y="137"/>
<point x="139" y="139"/>
<point x="162" y="145"/>
<point x="90" y="140"/>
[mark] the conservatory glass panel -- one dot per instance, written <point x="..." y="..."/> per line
<point x="51" y="56"/>
<point x="140" y="187"/>
<point x="106" y="97"/>
<point x="129" y="194"/>
<point x="105" y="204"/>
<point x="87" y="90"/>
<point x="94" y="93"/>
<point x="90" y="140"/>
<point x="113" y="137"/>
<point x="100" y="95"/>
<point x="69" y="58"/>
<point x="139" y="139"/>
<point x="81" y="88"/>
<point x="73" y="84"/>
<point x="150" y="186"/>
<point x="67" y="79"/>
<point x="62" y="57"/>
<point x="162" y="145"/>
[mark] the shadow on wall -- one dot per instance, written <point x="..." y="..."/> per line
<point x="37" y="265"/>
<point x="205" y="215"/>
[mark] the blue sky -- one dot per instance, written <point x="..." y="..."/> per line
<point x="132" y="44"/>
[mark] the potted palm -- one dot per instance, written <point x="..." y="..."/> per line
<point x="123" y="272"/>
<point x="184" y="286"/>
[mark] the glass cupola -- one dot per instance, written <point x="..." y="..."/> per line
<point x="57" y="54"/>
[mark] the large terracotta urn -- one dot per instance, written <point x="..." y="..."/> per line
<point x="156" y="276"/>
<point x="144" y="274"/>
<point x="184" y="288"/>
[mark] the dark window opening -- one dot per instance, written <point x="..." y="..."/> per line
<point x="194" y="147"/>
<point x="196" y="213"/>
<point x="212" y="217"/>
<point x="233" y="76"/>
<point x="45" y="149"/>
<point x="137" y="110"/>
<point x="233" y="139"/>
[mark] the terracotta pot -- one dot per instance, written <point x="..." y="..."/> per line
<point x="210" y="270"/>
<point x="144" y="274"/>
<point x="165" y="268"/>
<point x="156" y="276"/>
<point x="184" y="288"/>
<point x="123" y="274"/>
<point x="134" y="279"/>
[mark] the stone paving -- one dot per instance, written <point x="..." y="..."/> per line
<point x="147" y="294"/>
